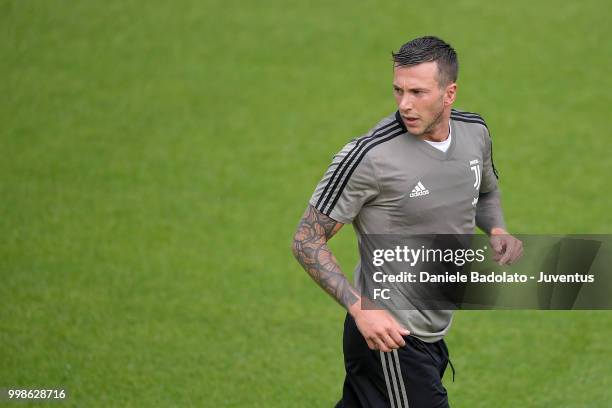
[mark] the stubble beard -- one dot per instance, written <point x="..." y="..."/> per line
<point x="434" y="123"/>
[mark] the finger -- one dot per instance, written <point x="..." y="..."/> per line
<point x="381" y="345"/>
<point x="507" y="254"/>
<point x="402" y="330"/>
<point x="371" y="344"/>
<point x="397" y="337"/>
<point x="520" y="250"/>
<point x="496" y="245"/>
<point x="390" y="341"/>
<point x="517" y="251"/>
<point x="498" y="257"/>
<point x="503" y="260"/>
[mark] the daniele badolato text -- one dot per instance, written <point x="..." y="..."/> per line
<point x="478" y="277"/>
<point x="459" y="257"/>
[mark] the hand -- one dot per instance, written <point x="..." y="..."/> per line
<point x="507" y="248"/>
<point x="379" y="329"/>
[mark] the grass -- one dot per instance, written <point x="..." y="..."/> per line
<point x="156" y="158"/>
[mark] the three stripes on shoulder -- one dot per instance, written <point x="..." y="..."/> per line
<point x="469" y="117"/>
<point x="339" y="179"/>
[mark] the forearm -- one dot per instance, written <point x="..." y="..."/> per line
<point x="312" y="252"/>
<point x="489" y="214"/>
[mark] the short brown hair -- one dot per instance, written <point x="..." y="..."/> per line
<point x="427" y="49"/>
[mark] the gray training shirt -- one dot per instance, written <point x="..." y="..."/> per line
<point x="390" y="182"/>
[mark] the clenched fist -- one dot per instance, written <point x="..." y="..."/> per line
<point x="507" y="248"/>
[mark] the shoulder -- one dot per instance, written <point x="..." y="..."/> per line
<point x="470" y="123"/>
<point x="384" y="131"/>
<point x="472" y="118"/>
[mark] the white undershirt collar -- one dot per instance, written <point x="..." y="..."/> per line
<point x="444" y="145"/>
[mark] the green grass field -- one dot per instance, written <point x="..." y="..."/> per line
<point x="157" y="156"/>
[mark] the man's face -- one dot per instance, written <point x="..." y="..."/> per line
<point x="420" y="99"/>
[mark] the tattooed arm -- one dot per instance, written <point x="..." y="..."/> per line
<point x="311" y="250"/>
<point x="380" y="330"/>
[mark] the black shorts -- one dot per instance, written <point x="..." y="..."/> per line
<point x="410" y="376"/>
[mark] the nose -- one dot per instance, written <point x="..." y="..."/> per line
<point x="405" y="103"/>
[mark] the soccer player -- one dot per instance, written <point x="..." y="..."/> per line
<point x="425" y="169"/>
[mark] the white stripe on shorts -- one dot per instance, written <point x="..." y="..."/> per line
<point x="384" y="367"/>
<point x="401" y="379"/>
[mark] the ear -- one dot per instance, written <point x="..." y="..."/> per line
<point x="450" y="93"/>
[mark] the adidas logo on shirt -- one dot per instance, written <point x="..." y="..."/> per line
<point x="419" y="190"/>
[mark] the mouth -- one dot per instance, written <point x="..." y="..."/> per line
<point x="410" y="120"/>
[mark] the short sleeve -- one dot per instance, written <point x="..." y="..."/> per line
<point x="489" y="174"/>
<point x="348" y="184"/>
